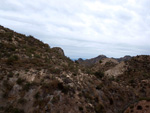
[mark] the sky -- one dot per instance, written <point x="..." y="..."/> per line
<point x="83" y="28"/>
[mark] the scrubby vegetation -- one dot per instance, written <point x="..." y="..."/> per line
<point x="38" y="79"/>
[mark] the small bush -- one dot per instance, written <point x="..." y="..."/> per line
<point x="55" y="71"/>
<point x="80" y="108"/>
<point x="20" y="81"/>
<point x="100" y="61"/>
<point x="99" y="86"/>
<point x="66" y="89"/>
<point x="55" y="99"/>
<point x="5" y="94"/>
<point x="132" y="106"/>
<point x="12" y="59"/>
<point x="27" y="86"/>
<point x="111" y="101"/>
<point x="139" y="108"/>
<point x="37" y="95"/>
<point x="132" y="81"/>
<point x="9" y="35"/>
<point x="147" y="106"/>
<point x="144" y="98"/>
<point x="7" y="85"/>
<point x="10" y="74"/>
<point x="99" y="74"/>
<point x="76" y="62"/>
<point x="100" y="109"/>
<point x="22" y="101"/>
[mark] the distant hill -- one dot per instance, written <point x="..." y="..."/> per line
<point x="125" y="58"/>
<point x="92" y="61"/>
<point x="89" y="62"/>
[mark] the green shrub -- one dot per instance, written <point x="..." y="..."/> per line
<point x="99" y="86"/>
<point x="12" y="48"/>
<point x="131" y="81"/>
<point x="27" y="86"/>
<point x="7" y="85"/>
<point x="80" y="108"/>
<point x="37" y="56"/>
<point x="100" y="109"/>
<point x="88" y="71"/>
<point x="139" y="107"/>
<point x="30" y="50"/>
<point x="55" y="71"/>
<point x="20" y="81"/>
<point x="10" y="74"/>
<point x="65" y="89"/>
<point x="76" y="62"/>
<point x="9" y="35"/>
<point x="144" y="98"/>
<point x="37" y="95"/>
<point x="22" y="101"/>
<point x="100" y="61"/>
<point x="12" y="59"/>
<point x="5" y="94"/>
<point x="55" y="99"/>
<point x="99" y="74"/>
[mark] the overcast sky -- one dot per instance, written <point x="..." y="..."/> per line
<point x="83" y="28"/>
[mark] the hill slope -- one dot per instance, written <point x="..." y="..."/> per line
<point x="35" y="78"/>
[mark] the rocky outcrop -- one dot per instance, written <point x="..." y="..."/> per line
<point x="116" y="70"/>
<point x="59" y="50"/>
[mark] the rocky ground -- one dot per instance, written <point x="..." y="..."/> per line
<point x="35" y="78"/>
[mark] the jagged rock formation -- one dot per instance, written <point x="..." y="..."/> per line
<point x="35" y="78"/>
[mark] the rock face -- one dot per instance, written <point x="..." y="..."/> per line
<point x="59" y="50"/>
<point x="35" y="78"/>
<point x="116" y="70"/>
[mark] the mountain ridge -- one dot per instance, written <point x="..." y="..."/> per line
<point x="92" y="61"/>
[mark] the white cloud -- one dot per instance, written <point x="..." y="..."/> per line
<point x="83" y="28"/>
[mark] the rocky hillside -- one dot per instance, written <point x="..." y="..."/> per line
<point x="90" y="62"/>
<point x="98" y="59"/>
<point x="35" y="78"/>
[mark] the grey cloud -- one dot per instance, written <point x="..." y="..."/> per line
<point x="83" y="28"/>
